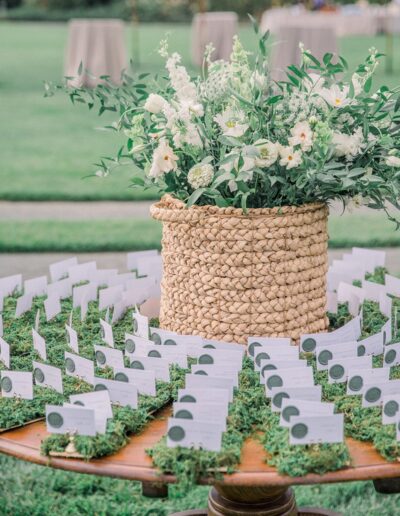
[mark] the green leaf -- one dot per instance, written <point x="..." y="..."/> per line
<point x="195" y="196"/>
<point x="368" y="84"/>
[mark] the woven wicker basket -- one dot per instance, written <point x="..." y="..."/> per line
<point x="230" y="275"/>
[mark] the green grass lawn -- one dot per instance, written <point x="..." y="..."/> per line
<point x="47" y="146"/>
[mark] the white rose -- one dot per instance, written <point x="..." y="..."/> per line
<point x="393" y="161"/>
<point x="154" y="103"/>
<point x="268" y="153"/>
<point x="200" y="175"/>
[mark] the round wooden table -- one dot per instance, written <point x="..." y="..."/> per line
<point x="256" y="488"/>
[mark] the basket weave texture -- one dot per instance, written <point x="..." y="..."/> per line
<point x="229" y="275"/>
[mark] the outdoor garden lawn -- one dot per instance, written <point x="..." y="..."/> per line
<point x="47" y="146"/>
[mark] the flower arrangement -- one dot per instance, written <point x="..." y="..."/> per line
<point x="234" y="137"/>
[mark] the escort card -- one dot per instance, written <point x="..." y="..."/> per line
<point x="293" y="407"/>
<point x="278" y="394"/>
<point x="200" y="395"/>
<point x="316" y="429"/>
<point x="370" y="257"/>
<point x="374" y="392"/>
<point x="159" y="336"/>
<point x="160" y="366"/>
<point x="327" y="352"/>
<point x="214" y="413"/>
<point x="60" y="269"/>
<point x="358" y="378"/>
<point x="108" y="357"/>
<point x="191" y="343"/>
<point x="72" y="338"/>
<point x="86" y="292"/>
<point x="300" y="376"/>
<point x="346" y="290"/>
<point x="36" y="286"/>
<point x="11" y="284"/>
<point x="221" y="357"/>
<point x="132" y="258"/>
<point x="145" y="381"/>
<point x="271" y="365"/>
<point x="198" y="381"/>
<point x="121" y="393"/>
<point x="138" y="346"/>
<point x="217" y="370"/>
<point x="372" y="345"/>
<point x="338" y="369"/>
<point x="99" y="401"/>
<point x="392" y="355"/>
<point x="385" y="304"/>
<point x="392" y="285"/>
<point x="121" y="279"/>
<point x="70" y="420"/>
<point x="39" y="344"/>
<point x="150" y="266"/>
<point x="24" y="303"/>
<point x="119" y="310"/>
<point x="5" y="353"/>
<point x="349" y="332"/>
<point x="140" y="325"/>
<point x="81" y="272"/>
<point x="84" y="308"/>
<point x="47" y="376"/>
<point x="196" y="434"/>
<point x="143" y="286"/>
<point x="272" y="352"/>
<point x="267" y="342"/>
<point x="16" y="384"/>
<point x="331" y="302"/>
<point x="228" y="346"/>
<point x="52" y="307"/>
<point x="102" y="277"/>
<point x="106" y="333"/>
<point x="390" y="409"/>
<point x="79" y="367"/>
<point x="62" y="289"/>
<point x="109" y="296"/>
<point x="348" y="267"/>
<point x="373" y="290"/>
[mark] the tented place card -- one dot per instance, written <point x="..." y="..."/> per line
<point x="197" y="434"/>
<point x="150" y="266"/>
<point x="198" y="381"/>
<point x="17" y="384"/>
<point x="72" y="338"/>
<point x="11" y="284"/>
<point x="103" y="277"/>
<point x="331" y="302"/>
<point x="70" y="419"/>
<point x="145" y="381"/>
<point x="346" y="290"/>
<point x="84" y="292"/>
<point x="296" y="376"/>
<point x="39" y="344"/>
<point x="52" y="306"/>
<point x="392" y="285"/>
<point x="160" y="336"/>
<point x="372" y="345"/>
<point x="217" y="370"/>
<point x="272" y="352"/>
<point x="100" y="402"/>
<point x="316" y="429"/>
<point x="106" y="333"/>
<point x="391" y="409"/>
<point x="109" y="296"/>
<point x="60" y="269"/>
<point x="369" y="257"/>
<point x="140" y="325"/>
<point x="138" y="346"/>
<point x="374" y="392"/>
<point x="272" y="364"/>
<point x="218" y="344"/>
<point x="62" y="289"/>
<point x="201" y="412"/>
<point x="79" y="367"/>
<point x="338" y="368"/>
<point x="372" y="290"/>
<point x="359" y="378"/>
<point x="24" y="303"/>
<point x="293" y="407"/>
<point x="204" y="395"/>
<point x="278" y="394"/>
<point x="121" y="393"/>
<point x="351" y="331"/>
<point x="121" y="279"/>
<point x="337" y="351"/>
<point x="81" y="272"/>
<point x="220" y="357"/>
<point x="4" y="352"/>
<point x="108" y="357"/>
<point x="160" y="366"/>
<point x="36" y="286"/>
<point x="267" y="342"/>
<point x="132" y="258"/>
<point x="385" y="304"/>
<point x="47" y="376"/>
<point x="392" y="355"/>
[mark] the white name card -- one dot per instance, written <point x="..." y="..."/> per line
<point x="266" y="342"/>
<point x="349" y="332"/>
<point x="36" y="286"/>
<point x="338" y="369"/>
<point x="108" y="357"/>
<point x="72" y="338"/>
<point x="193" y="381"/>
<point x="52" y="306"/>
<point x="374" y="392"/>
<point x="359" y="378"/>
<point x="59" y="270"/>
<point x="5" y="352"/>
<point x="278" y="394"/>
<point x="72" y="420"/>
<point x="24" y="303"/>
<point x="47" y="376"/>
<point x="132" y="258"/>
<point x="293" y="407"/>
<point x="86" y="293"/>
<point x="11" y="284"/>
<point x="79" y="367"/>
<point x="377" y="258"/>
<point x="391" y="409"/>
<point x="140" y="325"/>
<point x="145" y="381"/>
<point x="160" y="366"/>
<point x="217" y="370"/>
<point x="17" y="384"/>
<point x="99" y="401"/>
<point x="300" y="376"/>
<point x="372" y="345"/>
<point x="138" y="346"/>
<point x="61" y="289"/>
<point x="373" y="290"/>
<point x="200" y="395"/>
<point x="316" y="429"/>
<point x="201" y="412"/>
<point x="106" y="333"/>
<point x="392" y="355"/>
<point x="39" y="344"/>
<point x="220" y="357"/>
<point x="109" y="296"/>
<point x="121" y="393"/>
<point x="392" y="285"/>
<point x="159" y="336"/>
<point x="221" y="345"/>
<point x="385" y="304"/>
<point x="272" y="365"/>
<point x="267" y="353"/>
<point x="327" y="352"/>
<point x="81" y="272"/>
<point x="194" y="434"/>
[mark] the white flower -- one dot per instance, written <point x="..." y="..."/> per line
<point x="180" y="80"/>
<point x="336" y="97"/>
<point x="348" y="145"/>
<point x="258" y="80"/>
<point x="268" y="153"/>
<point x="357" y="83"/>
<point x="164" y="160"/>
<point x="393" y="161"/>
<point x="200" y="175"/>
<point x="154" y="103"/>
<point x="231" y="122"/>
<point x="289" y="157"/>
<point x="302" y="135"/>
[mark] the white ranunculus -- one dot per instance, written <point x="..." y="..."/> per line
<point x="289" y="157"/>
<point x="231" y="122"/>
<point x="268" y="153"/>
<point x="393" y="161"/>
<point x="336" y="97"/>
<point x="348" y="145"/>
<point x="164" y="160"/>
<point x="154" y="103"/>
<point x="200" y="175"/>
<point x="301" y="135"/>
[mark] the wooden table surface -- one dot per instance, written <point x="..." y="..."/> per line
<point x="132" y="462"/>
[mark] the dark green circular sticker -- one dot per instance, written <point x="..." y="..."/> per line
<point x="274" y="381"/>
<point x="299" y="430"/>
<point x="100" y="387"/>
<point x="130" y="346"/>
<point x="309" y="344"/>
<point x="69" y="365"/>
<point x="209" y="346"/>
<point x="169" y="342"/>
<point x="398" y="426"/>
<point x="55" y="420"/>
<point x="135" y="326"/>
<point x="183" y="414"/>
<point x="155" y="338"/>
<point x="201" y="371"/>
<point x="390" y="356"/>
<point x="154" y="353"/>
<point x="206" y="359"/>
<point x="384" y="337"/>
<point x="373" y="394"/>
<point x="6" y="384"/>
<point x="336" y="372"/>
<point x="136" y="364"/>
<point x="361" y="350"/>
<point x="268" y="367"/>
<point x="324" y="357"/>
<point x="100" y="357"/>
<point x="176" y="433"/>
<point x="187" y="398"/>
<point x="262" y="356"/>
<point x="38" y="375"/>
<point x="391" y="408"/>
<point x="79" y="402"/>
<point x="278" y="398"/>
<point x="252" y="346"/>
<point x="121" y="377"/>
<point x="290" y="411"/>
<point x="356" y="383"/>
